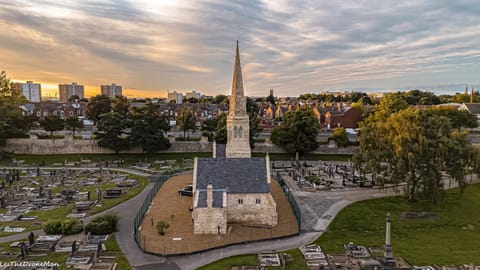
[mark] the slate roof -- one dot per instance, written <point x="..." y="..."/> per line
<point x="217" y="198"/>
<point x="237" y="175"/>
<point x="473" y="108"/>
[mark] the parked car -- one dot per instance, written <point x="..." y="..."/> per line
<point x="351" y="131"/>
<point x="186" y="190"/>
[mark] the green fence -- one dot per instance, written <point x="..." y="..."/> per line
<point x="146" y="204"/>
<point x="291" y="199"/>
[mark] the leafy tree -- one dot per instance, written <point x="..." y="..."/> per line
<point x="12" y="122"/>
<point x="74" y="98"/>
<point x="52" y="123"/>
<point x="271" y="99"/>
<point x="390" y="103"/>
<point x="340" y="137"/>
<point x="252" y="111"/>
<point x="97" y="106"/>
<point x="458" y="118"/>
<point x="414" y="146"/>
<point x="298" y="132"/>
<point x="112" y="132"/>
<point x="221" y="130"/>
<point x="74" y="124"/>
<point x="208" y="128"/>
<point x="186" y="120"/>
<point x="148" y="129"/>
<point x="220" y="99"/>
<point x="121" y="105"/>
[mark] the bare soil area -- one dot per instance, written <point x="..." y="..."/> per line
<point x="174" y="209"/>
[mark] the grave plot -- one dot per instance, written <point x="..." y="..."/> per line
<point x="319" y="175"/>
<point x="30" y="197"/>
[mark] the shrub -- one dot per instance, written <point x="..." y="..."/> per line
<point x="104" y="224"/>
<point x="162" y="226"/>
<point x="52" y="227"/>
<point x="71" y="226"/>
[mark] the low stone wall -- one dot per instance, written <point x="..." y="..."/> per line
<point x="80" y="146"/>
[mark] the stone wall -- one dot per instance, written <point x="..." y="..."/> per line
<point x="209" y="220"/>
<point x="74" y="146"/>
<point x="249" y="211"/>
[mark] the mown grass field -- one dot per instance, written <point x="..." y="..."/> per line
<point x="451" y="238"/>
<point x="297" y="262"/>
<point x="130" y="159"/>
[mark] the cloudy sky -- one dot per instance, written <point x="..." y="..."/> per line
<point x="294" y="47"/>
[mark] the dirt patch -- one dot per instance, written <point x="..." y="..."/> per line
<point x="169" y="206"/>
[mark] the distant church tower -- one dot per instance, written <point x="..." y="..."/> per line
<point x="238" y="129"/>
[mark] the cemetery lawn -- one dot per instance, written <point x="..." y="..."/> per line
<point x="451" y="238"/>
<point x="112" y="245"/>
<point x="53" y="257"/>
<point x="130" y="159"/>
<point x="297" y="262"/>
<point x="42" y="217"/>
<point x="61" y="212"/>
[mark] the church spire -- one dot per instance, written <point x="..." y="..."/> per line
<point x="238" y="104"/>
<point x="238" y="128"/>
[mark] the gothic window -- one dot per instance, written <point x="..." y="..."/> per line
<point x="240" y="132"/>
<point x="235" y="132"/>
<point x="258" y="201"/>
<point x="240" y="201"/>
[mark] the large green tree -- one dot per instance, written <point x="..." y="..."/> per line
<point x="186" y="120"/>
<point x="121" y="105"/>
<point x="414" y="147"/>
<point x="97" y="106"/>
<point x="12" y="121"/>
<point x="148" y="129"/>
<point x="298" y="131"/>
<point x="221" y="129"/>
<point x="112" y="132"/>
<point x="52" y="123"/>
<point x="73" y="124"/>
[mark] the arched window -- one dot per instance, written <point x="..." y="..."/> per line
<point x="240" y="132"/>
<point x="235" y="132"/>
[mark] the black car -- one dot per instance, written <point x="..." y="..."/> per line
<point x="186" y="190"/>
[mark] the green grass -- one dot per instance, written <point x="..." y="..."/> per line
<point x="128" y="158"/>
<point x="43" y="216"/>
<point x="452" y="238"/>
<point x="297" y="262"/>
<point x="306" y="157"/>
<point x="109" y="203"/>
<point x="134" y="158"/>
<point x="112" y="245"/>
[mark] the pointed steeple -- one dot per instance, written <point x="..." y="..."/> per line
<point x="466" y="90"/>
<point x="238" y="104"/>
<point x="472" y="96"/>
<point x="238" y="129"/>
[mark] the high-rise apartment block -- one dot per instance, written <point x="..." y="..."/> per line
<point x="174" y="96"/>
<point x="32" y="91"/>
<point x="111" y="90"/>
<point x="68" y="90"/>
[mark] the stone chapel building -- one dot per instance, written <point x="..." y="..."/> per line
<point x="233" y="187"/>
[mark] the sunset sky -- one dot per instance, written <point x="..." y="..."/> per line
<point x="291" y="46"/>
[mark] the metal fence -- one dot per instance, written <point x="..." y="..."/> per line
<point x="291" y="199"/>
<point x="146" y="204"/>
